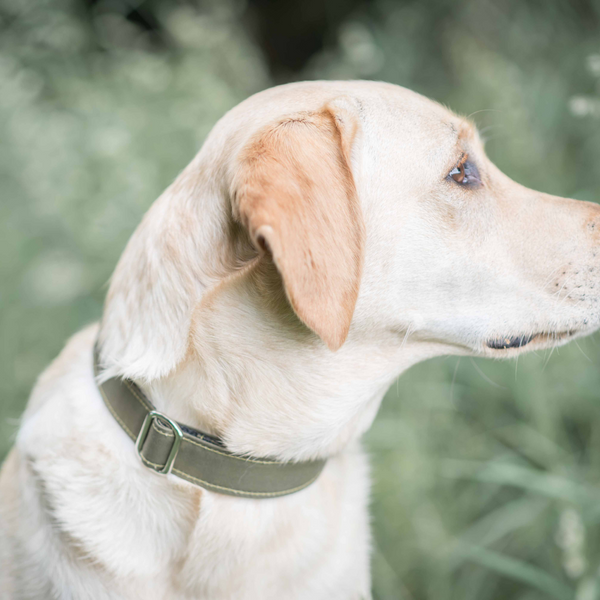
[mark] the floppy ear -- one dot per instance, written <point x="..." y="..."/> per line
<point x="295" y="193"/>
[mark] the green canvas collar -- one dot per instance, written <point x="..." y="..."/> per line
<point x="166" y="446"/>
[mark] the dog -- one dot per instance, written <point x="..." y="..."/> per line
<point x="327" y="236"/>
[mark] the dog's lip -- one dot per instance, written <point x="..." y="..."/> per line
<point x="518" y="341"/>
<point x="513" y="341"/>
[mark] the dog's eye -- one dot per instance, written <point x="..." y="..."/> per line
<point x="465" y="173"/>
<point x="458" y="174"/>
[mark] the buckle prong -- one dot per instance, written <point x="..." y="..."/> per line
<point x="141" y="438"/>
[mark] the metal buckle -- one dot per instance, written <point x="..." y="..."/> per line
<point x="141" y="438"/>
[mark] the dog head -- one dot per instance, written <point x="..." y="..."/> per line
<point x="357" y="213"/>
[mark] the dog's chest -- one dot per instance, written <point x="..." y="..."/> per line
<point x="115" y="527"/>
<point x="135" y="529"/>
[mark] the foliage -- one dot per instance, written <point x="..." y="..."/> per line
<point x="486" y="474"/>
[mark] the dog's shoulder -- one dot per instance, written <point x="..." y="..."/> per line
<point x="71" y="368"/>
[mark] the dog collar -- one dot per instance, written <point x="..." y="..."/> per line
<point x="166" y="446"/>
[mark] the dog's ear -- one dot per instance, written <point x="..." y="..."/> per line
<point x="295" y="193"/>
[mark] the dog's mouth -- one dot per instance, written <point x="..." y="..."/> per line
<point x="518" y="341"/>
<point x="515" y="341"/>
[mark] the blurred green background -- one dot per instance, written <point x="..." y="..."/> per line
<point x="486" y="474"/>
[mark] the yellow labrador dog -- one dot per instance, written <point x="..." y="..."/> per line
<point x="328" y="236"/>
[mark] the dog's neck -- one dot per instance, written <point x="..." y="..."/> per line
<point x="256" y="377"/>
<point x="243" y="367"/>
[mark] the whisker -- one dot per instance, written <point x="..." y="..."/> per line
<point x="564" y="298"/>
<point x="582" y="352"/>
<point x="485" y="110"/>
<point x="493" y="137"/>
<point x="551" y="276"/>
<point x="453" y="380"/>
<point x="548" y="359"/>
<point x="486" y="378"/>
<point x="488" y="128"/>
<point x="406" y="336"/>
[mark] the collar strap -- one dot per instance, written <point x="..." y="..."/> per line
<point x="166" y="446"/>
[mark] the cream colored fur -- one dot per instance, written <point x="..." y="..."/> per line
<point x="329" y="197"/>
